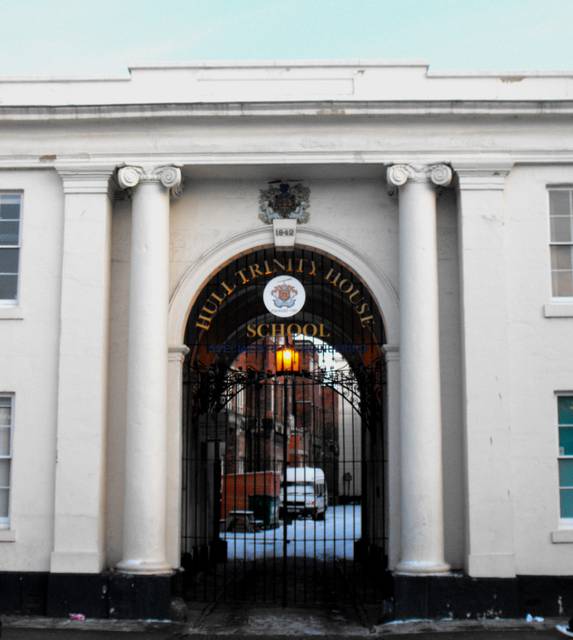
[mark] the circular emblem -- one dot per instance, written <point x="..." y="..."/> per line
<point x="284" y="296"/>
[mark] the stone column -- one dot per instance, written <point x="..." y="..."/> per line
<point x="422" y="526"/>
<point x="144" y="542"/>
<point x="392" y="355"/>
<point x="485" y="359"/>
<point x="174" y="443"/>
<point x="79" y="508"/>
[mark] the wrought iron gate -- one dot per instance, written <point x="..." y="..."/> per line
<point x="283" y="443"/>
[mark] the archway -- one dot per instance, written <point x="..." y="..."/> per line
<point x="254" y="436"/>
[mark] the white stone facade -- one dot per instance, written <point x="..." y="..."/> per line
<point x="418" y="181"/>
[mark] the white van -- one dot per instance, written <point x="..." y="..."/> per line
<point x="306" y="492"/>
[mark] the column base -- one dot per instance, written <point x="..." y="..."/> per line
<point x="144" y="567"/>
<point x="455" y="596"/>
<point x="421" y="567"/>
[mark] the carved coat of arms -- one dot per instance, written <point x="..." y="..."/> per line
<point x="284" y="200"/>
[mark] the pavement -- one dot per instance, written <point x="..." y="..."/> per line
<point x="277" y="624"/>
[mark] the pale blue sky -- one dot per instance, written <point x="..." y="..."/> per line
<point x="79" y="37"/>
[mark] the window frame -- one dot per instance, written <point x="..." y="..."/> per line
<point x="11" y="302"/>
<point x="567" y="520"/>
<point x="555" y="243"/>
<point x="5" y="521"/>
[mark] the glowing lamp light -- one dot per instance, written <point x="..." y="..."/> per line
<point x="287" y="360"/>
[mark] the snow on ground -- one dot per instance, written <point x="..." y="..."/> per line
<point x="332" y="538"/>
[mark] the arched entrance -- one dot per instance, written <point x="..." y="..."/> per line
<point x="283" y="465"/>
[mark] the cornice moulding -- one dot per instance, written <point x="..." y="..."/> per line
<point x="457" y="159"/>
<point x="296" y="63"/>
<point x="197" y="65"/>
<point x="319" y="109"/>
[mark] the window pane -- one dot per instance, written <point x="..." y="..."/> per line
<point x="9" y="286"/>
<point x="566" y="441"/>
<point x="5" y="442"/>
<point x="559" y="203"/>
<point x="9" y="207"/>
<point x="565" y="409"/>
<point x="565" y="473"/>
<point x="561" y="229"/>
<point x="5" y="473"/>
<point x="562" y="257"/>
<point x="9" y="232"/>
<point x="562" y="283"/>
<point x="4" y="495"/>
<point x="9" y="260"/>
<point x="5" y="414"/>
<point x="566" y="503"/>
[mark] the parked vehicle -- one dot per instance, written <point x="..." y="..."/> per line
<point x="306" y="492"/>
<point x="250" y="496"/>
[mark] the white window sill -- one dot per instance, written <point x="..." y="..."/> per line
<point x="558" y="310"/>
<point x="562" y="536"/>
<point x="7" y="535"/>
<point x="11" y="312"/>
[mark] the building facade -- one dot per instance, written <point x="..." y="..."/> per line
<point x="437" y="213"/>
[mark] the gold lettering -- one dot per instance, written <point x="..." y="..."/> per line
<point x="228" y="290"/>
<point x="322" y="333"/>
<point x="362" y="308"/>
<point x="343" y="283"/>
<point x="356" y="292"/>
<point x="281" y="333"/>
<point x="250" y="273"/>
<point x="212" y="311"/>
<point x="280" y="265"/>
<point x="268" y="270"/>
<point x="293" y="329"/>
<point x="244" y="279"/>
<point x="309" y="330"/>
<point x="260" y="329"/>
<point x="217" y="298"/>
<point x="255" y="271"/>
<point x="204" y="324"/>
<point x="332" y="279"/>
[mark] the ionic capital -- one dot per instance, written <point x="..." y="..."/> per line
<point x="399" y="174"/>
<point x="168" y="175"/>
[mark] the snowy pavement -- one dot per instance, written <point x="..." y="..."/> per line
<point x="332" y="538"/>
